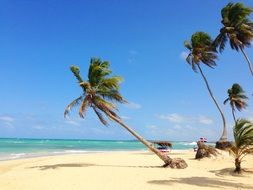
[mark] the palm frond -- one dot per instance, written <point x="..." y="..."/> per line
<point x="74" y="103"/>
<point x="189" y="59"/>
<point x="111" y="95"/>
<point x="237" y="25"/>
<point x="100" y="116"/>
<point x="110" y="83"/>
<point x="220" y="41"/>
<point x="225" y="101"/>
<point x="99" y="103"/>
<point x="243" y="133"/>
<point x="103" y="101"/>
<point x="188" y="45"/>
<point x="75" y="70"/>
<point x="83" y="107"/>
<point x="100" y="91"/>
<point x="98" y="70"/>
<point x="201" y="50"/>
<point x="237" y="97"/>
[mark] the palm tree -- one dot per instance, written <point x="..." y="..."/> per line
<point x="201" y="51"/>
<point x="237" y="28"/>
<point x="236" y="98"/>
<point x="100" y="92"/>
<point x="243" y="144"/>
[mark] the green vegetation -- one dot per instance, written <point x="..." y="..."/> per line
<point x="236" y="98"/>
<point x="237" y="28"/>
<point x="243" y="145"/>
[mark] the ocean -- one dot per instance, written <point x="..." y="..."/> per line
<point x="20" y="148"/>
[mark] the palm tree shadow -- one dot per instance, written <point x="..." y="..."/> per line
<point x="201" y="181"/>
<point x="56" y="166"/>
<point x="73" y="165"/>
<point x="230" y="172"/>
<point x="121" y="166"/>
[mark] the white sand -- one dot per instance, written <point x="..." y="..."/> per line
<point x="122" y="171"/>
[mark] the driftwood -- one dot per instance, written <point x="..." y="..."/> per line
<point x="177" y="163"/>
<point x="205" y="151"/>
<point x="223" y="145"/>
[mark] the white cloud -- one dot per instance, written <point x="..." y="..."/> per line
<point x="39" y="127"/>
<point x="177" y="126"/>
<point x="125" y="117"/>
<point x="72" y="122"/>
<point x="133" y="105"/>
<point x="205" y="120"/>
<point x="7" y="118"/>
<point x="179" y="119"/>
<point x="174" y="118"/>
<point x="151" y="126"/>
<point x="183" y="55"/>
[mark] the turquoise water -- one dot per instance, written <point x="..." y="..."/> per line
<point x="19" y="148"/>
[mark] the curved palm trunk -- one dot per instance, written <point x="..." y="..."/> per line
<point x="167" y="160"/>
<point x="247" y="58"/>
<point x="224" y="133"/>
<point x="233" y="113"/>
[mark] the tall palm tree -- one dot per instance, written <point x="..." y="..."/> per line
<point x="201" y="51"/>
<point x="236" y="98"/>
<point x="237" y="28"/>
<point x="243" y="142"/>
<point x="100" y="92"/>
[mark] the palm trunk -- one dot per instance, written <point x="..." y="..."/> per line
<point x="237" y="166"/>
<point x="224" y="133"/>
<point x="247" y="58"/>
<point x="233" y="113"/>
<point x="167" y="160"/>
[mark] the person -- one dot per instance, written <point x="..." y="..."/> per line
<point x="201" y="139"/>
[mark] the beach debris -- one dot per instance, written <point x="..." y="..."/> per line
<point x="177" y="163"/>
<point x="205" y="151"/>
<point x="162" y="146"/>
<point x="223" y="145"/>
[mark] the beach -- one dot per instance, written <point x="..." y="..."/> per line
<point x="123" y="170"/>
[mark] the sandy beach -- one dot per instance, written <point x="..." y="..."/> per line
<point x="124" y="171"/>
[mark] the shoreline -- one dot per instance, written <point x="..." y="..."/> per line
<point x="18" y="156"/>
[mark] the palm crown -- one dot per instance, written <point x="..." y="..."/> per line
<point x="100" y="91"/>
<point x="201" y="50"/>
<point x="237" y="28"/>
<point x="236" y="97"/>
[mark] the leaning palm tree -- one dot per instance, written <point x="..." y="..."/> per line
<point x="243" y="142"/>
<point x="100" y="93"/>
<point x="237" y="28"/>
<point x="236" y="98"/>
<point x="202" y="51"/>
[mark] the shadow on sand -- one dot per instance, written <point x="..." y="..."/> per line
<point x="56" y="166"/>
<point x="72" y="165"/>
<point x="202" y="182"/>
<point x="230" y="172"/>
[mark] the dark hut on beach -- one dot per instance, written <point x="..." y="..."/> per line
<point x="162" y="143"/>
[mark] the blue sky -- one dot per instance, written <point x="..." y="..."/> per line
<point x="143" y="40"/>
